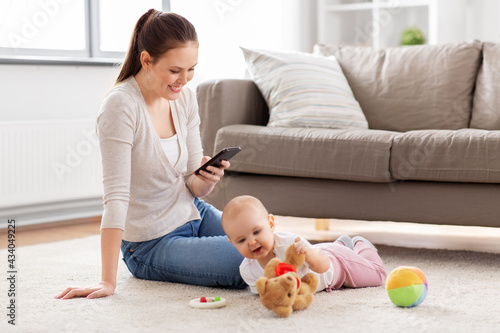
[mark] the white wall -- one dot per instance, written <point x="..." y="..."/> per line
<point x="33" y="92"/>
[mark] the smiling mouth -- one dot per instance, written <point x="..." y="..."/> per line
<point x="257" y="250"/>
<point x="175" y="89"/>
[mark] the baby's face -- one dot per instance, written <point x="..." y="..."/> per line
<point x="252" y="234"/>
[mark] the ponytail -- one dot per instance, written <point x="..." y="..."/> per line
<point x="155" y="32"/>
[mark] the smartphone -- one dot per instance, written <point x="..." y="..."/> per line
<point x="224" y="155"/>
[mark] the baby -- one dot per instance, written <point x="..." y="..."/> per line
<point x="346" y="262"/>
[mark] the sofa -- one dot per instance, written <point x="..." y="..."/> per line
<point x="430" y="153"/>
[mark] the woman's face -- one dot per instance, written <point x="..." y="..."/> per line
<point x="170" y="72"/>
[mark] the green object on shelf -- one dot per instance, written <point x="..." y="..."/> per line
<point x="412" y="36"/>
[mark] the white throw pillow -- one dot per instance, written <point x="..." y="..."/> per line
<point x="304" y="90"/>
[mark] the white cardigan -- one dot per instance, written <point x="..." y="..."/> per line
<point x="145" y="195"/>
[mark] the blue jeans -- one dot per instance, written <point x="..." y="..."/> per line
<point x="197" y="252"/>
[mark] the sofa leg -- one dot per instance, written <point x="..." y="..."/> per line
<point x="322" y="224"/>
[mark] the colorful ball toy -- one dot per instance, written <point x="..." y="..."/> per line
<point x="406" y="286"/>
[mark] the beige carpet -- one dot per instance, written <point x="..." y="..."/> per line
<point x="464" y="296"/>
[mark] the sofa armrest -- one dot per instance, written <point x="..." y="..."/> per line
<point x="228" y="102"/>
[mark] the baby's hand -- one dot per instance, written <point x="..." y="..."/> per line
<point x="301" y="246"/>
<point x="317" y="259"/>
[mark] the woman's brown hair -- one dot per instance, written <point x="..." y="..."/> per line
<point x="155" y="32"/>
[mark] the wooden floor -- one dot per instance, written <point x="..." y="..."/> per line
<point x="52" y="232"/>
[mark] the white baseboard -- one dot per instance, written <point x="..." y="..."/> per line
<point x="27" y="215"/>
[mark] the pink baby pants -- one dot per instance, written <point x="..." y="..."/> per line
<point x="361" y="267"/>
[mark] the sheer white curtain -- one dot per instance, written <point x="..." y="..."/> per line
<point x="225" y="25"/>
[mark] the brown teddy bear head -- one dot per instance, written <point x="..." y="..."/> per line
<point x="278" y="294"/>
<point x="281" y="289"/>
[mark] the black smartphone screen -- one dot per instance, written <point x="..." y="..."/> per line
<point x="224" y="155"/>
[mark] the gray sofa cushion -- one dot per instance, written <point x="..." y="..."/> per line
<point x="466" y="155"/>
<point x="346" y="154"/>
<point x="412" y="87"/>
<point x="486" y="106"/>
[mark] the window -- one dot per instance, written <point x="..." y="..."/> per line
<point x="69" y="29"/>
<point x="43" y="27"/>
<point x="116" y="25"/>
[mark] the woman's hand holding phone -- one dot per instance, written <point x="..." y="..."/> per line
<point x="211" y="171"/>
<point x="224" y="155"/>
<point x="212" y="174"/>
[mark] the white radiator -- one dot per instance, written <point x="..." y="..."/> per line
<point x="52" y="165"/>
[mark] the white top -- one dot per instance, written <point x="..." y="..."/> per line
<point x="143" y="194"/>
<point x="251" y="270"/>
<point x="171" y="148"/>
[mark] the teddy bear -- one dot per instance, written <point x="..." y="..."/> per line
<point x="281" y="289"/>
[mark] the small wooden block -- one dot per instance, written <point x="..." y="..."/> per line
<point x="322" y="224"/>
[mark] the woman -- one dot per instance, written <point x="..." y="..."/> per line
<point x="150" y="143"/>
